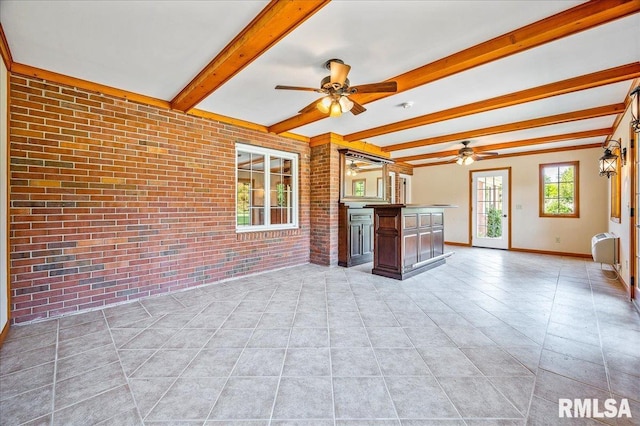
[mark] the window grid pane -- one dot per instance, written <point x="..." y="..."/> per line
<point x="489" y="207"/>
<point x="559" y="188"/>
<point x="264" y="197"/>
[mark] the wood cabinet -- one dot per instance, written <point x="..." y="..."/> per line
<point x="355" y="235"/>
<point x="407" y="239"/>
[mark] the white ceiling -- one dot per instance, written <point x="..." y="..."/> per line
<point x="155" y="48"/>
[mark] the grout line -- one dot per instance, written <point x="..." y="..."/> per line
<point x="205" y="306"/>
<point x="126" y="378"/>
<point x="198" y="351"/>
<point x="55" y="374"/>
<point x="535" y="380"/>
<point x="595" y="311"/>
<point x="286" y="349"/>
<point x="374" y="289"/>
<point x="243" y="348"/>
<point x="384" y="381"/>
<point x="333" y="397"/>
<point x="420" y="355"/>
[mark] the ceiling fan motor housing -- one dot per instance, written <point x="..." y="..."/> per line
<point x="334" y="87"/>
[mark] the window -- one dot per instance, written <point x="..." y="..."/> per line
<point x="266" y="189"/>
<point x="359" y="187"/>
<point x="559" y="190"/>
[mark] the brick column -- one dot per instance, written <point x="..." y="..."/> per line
<point x="325" y="192"/>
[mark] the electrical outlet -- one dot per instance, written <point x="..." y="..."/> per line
<point x="557" y="239"/>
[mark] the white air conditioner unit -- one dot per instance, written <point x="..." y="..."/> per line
<point x="604" y="248"/>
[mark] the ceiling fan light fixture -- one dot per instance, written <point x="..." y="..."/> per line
<point x="336" y="87"/>
<point x="352" y="170"/>
<point x="335" y="110"/>
<point x="324" y="104"/>
<point x="345" y="104"/>
<point x="465" y="160"/>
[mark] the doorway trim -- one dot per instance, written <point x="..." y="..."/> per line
<point x="471" y="172"/>
<point x="634" y="220"/>
<point x="392" y="187"/>
<point x="407" y="187"/>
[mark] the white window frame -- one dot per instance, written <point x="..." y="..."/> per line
<point x="267" y="184"/>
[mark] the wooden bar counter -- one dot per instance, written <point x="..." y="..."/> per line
<point x="408" y="239"/>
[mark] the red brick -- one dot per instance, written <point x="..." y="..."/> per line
<point x="169" y="184"/>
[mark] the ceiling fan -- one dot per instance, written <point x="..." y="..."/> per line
<point x="467" y="155"/>
<point x="337" y="89"/>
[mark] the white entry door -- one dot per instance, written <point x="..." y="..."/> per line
<point x="490" y="209"/>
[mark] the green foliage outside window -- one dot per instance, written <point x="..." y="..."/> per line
<point x="280" y="195"/>
<point x="242" y="212"/>
<point x="559" y="195"/>
<point x="494" y="222"/>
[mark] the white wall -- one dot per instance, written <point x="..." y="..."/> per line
<point x="4" y="176"/>
<point x="450" y="184"/>
<point x="622" y="229"/>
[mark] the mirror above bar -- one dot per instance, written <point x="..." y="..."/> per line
<point x="363" y="177"/>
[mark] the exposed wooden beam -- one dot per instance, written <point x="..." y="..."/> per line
<point x="336" y="139"/>
<point x="519" y="154"/>
<point x="5" y="52"/>
<point x="582" y="17"/>
<point x="275" y="21"/>
<point x="588" y="81"/>
<point x="511" y="127"/>
<point x="515" y="144"/>
<point x="627" y="101"/>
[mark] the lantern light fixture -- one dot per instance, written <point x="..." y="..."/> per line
<point x="635" y="108"/>
<point x="609" y="161"/>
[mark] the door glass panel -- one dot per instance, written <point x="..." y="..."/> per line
<point x="489" y="207"/>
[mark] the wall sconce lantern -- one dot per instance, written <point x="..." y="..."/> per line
<point x="609" y="161"/>
<point x="635" y="108"/>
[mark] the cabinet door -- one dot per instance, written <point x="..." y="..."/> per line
<point x="367" y="238"/>
<point x="426" y="249"/>
<point x="355" y="239"/>
<point x="437" y="241"/>
<point x="410" y="249"/>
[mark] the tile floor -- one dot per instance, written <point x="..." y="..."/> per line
<point x="492" y="337"/>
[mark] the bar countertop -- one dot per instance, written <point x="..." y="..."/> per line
<point x="410" y="206"/>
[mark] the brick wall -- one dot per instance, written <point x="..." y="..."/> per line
<point x="113" y="201"/>
<point x="325" y="181"/>
<point x="405" y="169"/>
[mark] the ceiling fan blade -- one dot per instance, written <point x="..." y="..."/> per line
<point x="309" y="108"/>
<point x="385" y="86"/>
<point x="306" y="89"/>
<point x="357" y="108"/>
<point x="488" y="154"/>
<point x="339" y="72"/>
